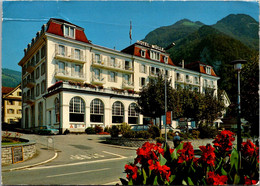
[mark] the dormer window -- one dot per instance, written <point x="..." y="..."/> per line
<point x="208" y="70"/>
<point x="69" y="31"/>
<point x="155" y="55"/>
<point x="166" y="59"/>
<point x="142" y="53"/>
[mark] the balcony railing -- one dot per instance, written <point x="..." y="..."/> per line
<point x="179" y="79"/>
<point x="108" y="65"/>
<point x="128" y="85"/>
<point x="59" y="74"/>
<point x="29" y="99"/>
<point x="98" y="80"/>
<point x="70" y="57"/>
<point x="30" y="83"/>
<point x="30" y="67"/>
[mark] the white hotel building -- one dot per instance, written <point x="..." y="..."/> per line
<point x="70" y="83"/>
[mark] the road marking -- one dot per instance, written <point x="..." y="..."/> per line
<point x="81" y="163"/>
<point x="77" y="172"/>
<point x="113" y="183"/>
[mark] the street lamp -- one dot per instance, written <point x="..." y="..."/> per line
<point x="238" y="66"/>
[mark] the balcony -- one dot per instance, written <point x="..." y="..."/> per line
<point x="30" y="100"/>
<point x="64" y="75"/>
<point x="128" y="85"/>
<point x="179" y="79"/>
<point x="70" y="57"/>
<point x="98" y="80"/>
<point x="30" y="83"/>
<point x="114" y="67"/>
<point x="30" y="67"/>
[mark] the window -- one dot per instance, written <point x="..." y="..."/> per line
<point x="26" y="121"/>
<point x="113" y="62"/>
<point x="57" y="110"/>
<point x="38" y="57"/>
<point x="132" y="114"/>
<point x="154" y="55"/>
<point x="205" y="83"/>
<point x="166" y="59"/>
<point x="142" y="53"/>
<point x="49" y="118"/>
<point x="62" y="67"/>
<point x="152" y="70"/>
<point x="208" y="70"/>
<point x="40" y="114"/>
<point x="97" y="58"/>
<point x="42" y="68"/>
<point x="78" y="70"/>
<point x="37" y="89"/>
<point x="127" y="65"/>
<point x="117" y="112"/>
<point x="69" y="31"/>
<point x="196" y="80"/>
<point x="37" y="72"/>
<point x="10" y="111"/>
<point x="127" y="78"/>
<point x="43" y="86"/>
<point x="43" y="51"/>
<point x="167" y="73"/>
<point x="97" y="74"/>
<point x="142" y="68"/>
<point x="61" y="50"/>
<point x="19" y="111"/>
<point x="112" y="77"/>
<point x="20" y="103"/>
<point x="97" y="111"/>
<point x="77" y="54"/>
<point x="187" y="78"/>
<point x="158" y="72"/>
<point x="77" y="109"/>
<point x="142" y="81"/>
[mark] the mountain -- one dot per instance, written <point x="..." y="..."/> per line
<point x="241" y="27"/>
<point x="163" y="36"/>
<point x="10" y="78"/>
<point x="216" y="45"/>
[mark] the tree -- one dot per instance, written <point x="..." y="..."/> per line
<point x="151" y="100"/>
<point x="249" y="93"/>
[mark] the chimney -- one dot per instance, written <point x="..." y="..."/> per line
<point x="182" y="62"/>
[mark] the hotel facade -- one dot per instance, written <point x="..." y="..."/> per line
<point x="70" y="83"/>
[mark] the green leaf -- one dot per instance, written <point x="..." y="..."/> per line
<point x="184" y="182"/>
<point x="172" y="177"/>
<point x="145" y="176"/>
<point x="189" y="181"/>
<point x="237" y="179"/>
<point x="162" y="160"/>
<point x="223" y="172"/>
<point x="234" y="159"/>
<point x="220" y="162"/>
<point x="130" y="182"/>
<point x="155" y="181"/>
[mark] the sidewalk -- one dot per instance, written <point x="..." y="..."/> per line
<point x="43" y="155"/>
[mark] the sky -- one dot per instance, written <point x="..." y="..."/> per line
<point x="107" y="23"/>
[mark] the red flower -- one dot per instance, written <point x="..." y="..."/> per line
<point x="131" y="171"/>
<point x="171" y="150"/>
<point x="187" y="153"/>
<point x="248" y="148"/>
<point x="216" y="179"/>
<point x="223" y="141"/>
<point x="250" y="182"/>
<point x="208" y="156"/>
<point x="164" y="170"/>
<point x="148" y="151"/>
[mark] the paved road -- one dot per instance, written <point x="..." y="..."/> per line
<point x="82" y="159"/>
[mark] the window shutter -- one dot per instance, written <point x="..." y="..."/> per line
<point x="81" y="70"/>
<point x="56" y="66"/>
<point x="109" y="76"/>
<point x="66" y="69"/>
<point x="145" y="69"/>
<point x="72" y="69"/>
<point x="101" y="58"/>
<point x="56" y="48"/>
<point x="66" y="51"/>
<point x="72" y="53"/>
<point x="93" y="57"/>
<point x="81" y="55"/>
<point x="140" y="67"/>
<point x="140" y="81"/>
<point x="116" y="77"/>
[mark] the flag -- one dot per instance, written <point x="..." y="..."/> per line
<point x="130" y="32"/>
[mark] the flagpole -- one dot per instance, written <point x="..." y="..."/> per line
<point x="130" y="32"/>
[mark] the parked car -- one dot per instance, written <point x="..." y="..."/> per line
<point x="168" y="129"/>
<point x="139" y="127"/>
<point x="48" y="130"/>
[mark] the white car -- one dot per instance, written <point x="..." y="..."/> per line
<point x="169" y="128"/>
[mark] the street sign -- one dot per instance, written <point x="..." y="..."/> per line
<point x="169" y="118"/>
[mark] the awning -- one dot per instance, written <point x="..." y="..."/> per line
<point x="218" y="121"/>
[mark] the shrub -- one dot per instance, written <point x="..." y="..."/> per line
<point x="90" y="130"/>
<point x="107" y="129"/>
<point x="114" y="131"/>
<point x="143" y="134"/>
<point x="154" y="131"/>
<point x="129" y="134"/>
<point x="124" y="127"/>
<point x="195" y="134"/>
<point x="207" y="131"/>
<point x="159" y="140"/>
<point x="103" y="133"/>
<point x="170" y="135"/>
<point x="98" y="129"/>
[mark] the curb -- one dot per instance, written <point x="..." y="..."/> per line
<point x="34" y="165"/>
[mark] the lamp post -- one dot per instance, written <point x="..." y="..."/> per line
<point x="238" y="66"/>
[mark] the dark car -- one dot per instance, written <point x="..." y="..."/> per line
<point x="139" y="127"/>
<point x="48" y="130"/>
